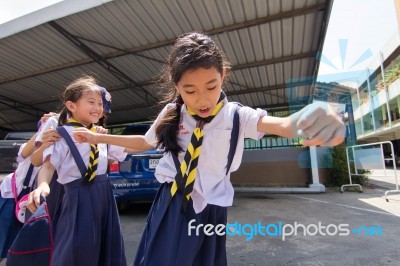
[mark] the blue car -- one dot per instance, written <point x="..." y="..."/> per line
<point x="133" y="180"/>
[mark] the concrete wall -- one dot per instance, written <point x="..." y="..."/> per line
<point x="274" y="167"/>
<point x="283" y="167"/>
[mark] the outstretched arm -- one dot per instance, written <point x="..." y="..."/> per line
<point x="136" y="143"/>
<point x="49" y="137"/>
<point x="317" y="123"/>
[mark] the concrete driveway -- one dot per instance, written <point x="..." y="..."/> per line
<point x="370" y="228"/>
<point x="372" y="224"/>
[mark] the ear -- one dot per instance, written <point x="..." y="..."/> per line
<point x="71" y="106"/>
<point x="177" y="90"/>
<point x="224" y="71"/>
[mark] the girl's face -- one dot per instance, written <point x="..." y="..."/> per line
<point x="88" y="109"/>
<point x="200" y="89"/>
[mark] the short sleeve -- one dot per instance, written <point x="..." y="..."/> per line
<point x="116" y="153"/>
<point x="150" y="136"/>
<point x="52" y="122"/>
<point x="21" y="158"/>
<point x="249" y="117"/>
<point x="58" y="152"/>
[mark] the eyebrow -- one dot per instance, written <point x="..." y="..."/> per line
<point x="91" y="98"/>
<point x="191" y="85"/>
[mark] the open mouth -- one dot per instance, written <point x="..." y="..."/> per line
<point x="204" y="111"/>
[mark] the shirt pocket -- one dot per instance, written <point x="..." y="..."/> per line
<point x="217" y="148"/>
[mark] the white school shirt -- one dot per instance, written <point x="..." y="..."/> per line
<point x="20" y="174"/>
<point x="212" y="184"/>
<point x="64" y="163"/>
<point x="52" y="122"/>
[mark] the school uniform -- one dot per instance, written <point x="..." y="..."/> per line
<point x="88" y="232"/>
<point x="165" y="240"/>
<point x="9" y="225"/>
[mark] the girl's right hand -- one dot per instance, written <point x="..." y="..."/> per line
<point x="82" y="135"/>
<point x="49" y="137"/>
<point x="34" y="197"/>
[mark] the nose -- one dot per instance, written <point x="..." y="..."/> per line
<point x="203" y="99"/>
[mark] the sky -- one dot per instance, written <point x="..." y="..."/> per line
<point x="10" y="9"/>
<point x="357" y="30"/>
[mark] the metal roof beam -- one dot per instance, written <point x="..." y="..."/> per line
<point x="120" y="75"/>
<point x="275" y="60"/>
<point x="244" y="91"/>
<point x="122" y="108"/>
<point x="241" y="92"/>
<point x="233" y="27"/>
<point x="22" y="107"/>
<point x="234" y="68"/>
<point x="269" y="88"/>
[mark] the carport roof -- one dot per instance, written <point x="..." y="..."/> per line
<point x="273" y="46"/>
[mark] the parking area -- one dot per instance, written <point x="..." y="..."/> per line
<point x="371" y="238"/>
<point x="324" y="216"/>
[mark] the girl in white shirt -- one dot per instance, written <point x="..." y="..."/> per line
<point x="9" y="224"/>
<point x="195" y="129"/>
<point x="88" y="231"/>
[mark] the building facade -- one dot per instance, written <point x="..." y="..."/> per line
<point x="376" y="103"/>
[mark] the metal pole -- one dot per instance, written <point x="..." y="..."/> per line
<point x="383" y="159"/>
<point x="371" y="102"/>
<point x="386" y="91"/>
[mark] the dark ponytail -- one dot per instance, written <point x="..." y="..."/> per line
<point x="63" y="116"/>
<point x="103" y="121"/>
<point x="168" y="127"/>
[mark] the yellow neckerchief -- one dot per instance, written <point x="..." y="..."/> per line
<point x="185" y="178"/>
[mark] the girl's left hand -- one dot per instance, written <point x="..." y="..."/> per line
<point x="82" y="135"/>
<point x="34" y="196"/>
<point x="49" y="137"/>
<point x="319" y="124"/>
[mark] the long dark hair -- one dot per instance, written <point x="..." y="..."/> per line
<point x="73" y="93"/>
<point x="191" y="51"/>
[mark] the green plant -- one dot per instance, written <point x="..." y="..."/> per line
<point x="339" y="173"/>
<point x="391" y="75"/>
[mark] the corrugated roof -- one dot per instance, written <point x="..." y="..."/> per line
<point x="271" y="44"/>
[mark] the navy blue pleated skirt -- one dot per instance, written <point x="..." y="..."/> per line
<point x="166" y="240"/>
<point x="9" y="225"/>
<point x="88" y="232"/>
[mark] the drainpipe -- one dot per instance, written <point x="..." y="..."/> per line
<point x="371" y="102"/>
